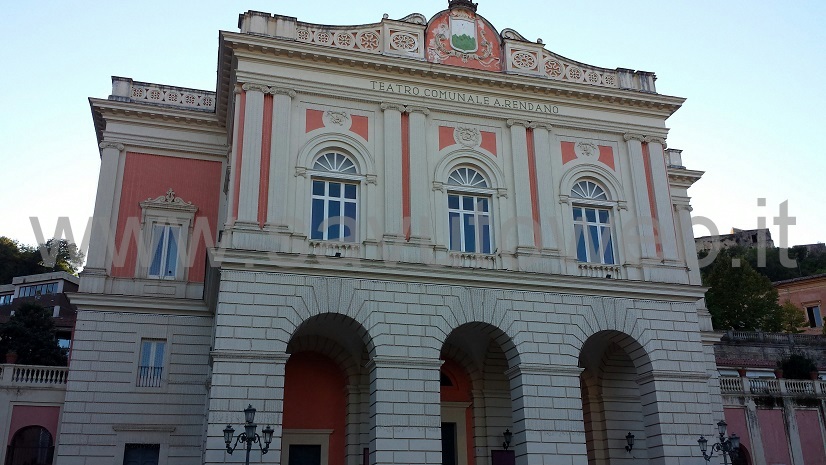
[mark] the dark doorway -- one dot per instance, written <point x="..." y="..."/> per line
<point x="305" y="454"/>
<point x="31" y="445"/>
<point x="448" y="443"/>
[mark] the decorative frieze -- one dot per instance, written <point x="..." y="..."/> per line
<point x="144" y="92"/>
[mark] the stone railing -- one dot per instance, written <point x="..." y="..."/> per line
<point x="33" y="376"/>
<point x="335" y="249"/>
<point x="769" y="386"/>
<point x="596" y="270"/>
<point x="472" y="260"/>
<point x="775" y="338"/>
<point x="127" y="90"/>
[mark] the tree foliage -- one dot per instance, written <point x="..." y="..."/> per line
<point x="18" y="259"/>
<point x="741" y="298"/>
<point x="30" y="332"/>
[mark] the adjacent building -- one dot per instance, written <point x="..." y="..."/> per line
<point x="397" y="241"/>
<point x="808" y="294"/>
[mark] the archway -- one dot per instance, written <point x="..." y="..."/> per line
<point x="612" y="403"/>
<point x="32" y="445"/>
<point x="475" y="393"/>
<point x="326" y="393"/>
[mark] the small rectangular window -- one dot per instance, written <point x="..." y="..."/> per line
<point x="469" y="224"/>
<point x="334" y="211"/>
<point x="150" y="368"/>
<point x="141" y="454"/>
<point x="592" y="233"/>
<point x="814" y="317"/>
<point x="164" y="251"/>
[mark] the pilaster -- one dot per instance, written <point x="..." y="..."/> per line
<point x="251" y="155"/>
<point x="665" y="216"/>
<point x="521" y="184"/>
<point x="277" y="214"/>
<point x="420" y="216"/>
<point x="546" y="171"/>
<point x="645" y="231"/>
<point x="392" y="170"/>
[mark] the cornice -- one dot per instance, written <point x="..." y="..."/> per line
<point x="684" y="178"/>
<point x="246" y="260"/>
<point x="139" y="304"/>
<point x="177" y="116"/>
<point x="270" y="48"/>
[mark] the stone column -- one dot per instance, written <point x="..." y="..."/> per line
<point x="101" y="240"/>
<point x="277" y="214"/>
<point x="405" y="411"/>
<point x="684" y="221"/>
<point x="546" y="171"/>
<point x="662" y="194"/>
<point x="251" y="155"/>
<point x="758" y="454"/>
<point x="547" y="414"/>
<point x="521" y="186"/>
<point x="392" y="171"/>
<point x="648" y="247"/>
<point x="790" y="419"/>
<point x="420" y="187"/>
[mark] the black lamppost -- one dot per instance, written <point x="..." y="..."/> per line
<point x="728" y="446"/>
<point x="249" y="436"/>
<point x="508" y="436"/>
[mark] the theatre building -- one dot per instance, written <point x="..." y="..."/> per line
<point x="397" y="241"/>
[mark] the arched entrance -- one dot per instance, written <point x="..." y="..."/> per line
<point x="612" y="404"/>
<point x="32" y="445"/>
<point x="326" y="393"/>
<point x="475" y="393"/>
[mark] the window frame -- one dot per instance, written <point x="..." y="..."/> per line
<point x="597" y="205"/>
<point x="476" y="192"/>
<point x="166" y="211"/>
<point x="817" y="315"/>
<point x="153" y="381"/>
<point x="344" y="179"/>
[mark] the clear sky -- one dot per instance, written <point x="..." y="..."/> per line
<point x="753" y="73"/>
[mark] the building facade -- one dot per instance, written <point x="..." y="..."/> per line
<point x="397" y="241"/>
<point x="808" y="294"/>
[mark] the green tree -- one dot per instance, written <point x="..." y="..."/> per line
<point x="61" y="255"/>
<point x="741" y="298"/>
<point x="31" y="334"/>
<point x="18" y="259"/>
<point x="793" y="318"/>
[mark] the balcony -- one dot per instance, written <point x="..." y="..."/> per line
<point x="33" y="376"/>
<point x="774" y="387"/>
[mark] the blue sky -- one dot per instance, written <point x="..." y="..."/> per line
<point x="753" y="73"/>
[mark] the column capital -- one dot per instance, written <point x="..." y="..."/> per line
<point x="543" y="125"/>
<point x="282" y="91"/>
<point x="111" y="145"/>
<point x="392" y="106"/>
<point x="250" y="86"/>
<point x="629" y="136"/>
<point x="520" y="122"/>
<point x="655" y="140"/>
<point x="417" y="109"/>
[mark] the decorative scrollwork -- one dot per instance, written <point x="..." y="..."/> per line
<point x="469" y="137"/>
<point x="369" y="40"/>
<point x="553" y="68"/>
<point x="404" y="41"/>
<point x="586" y="149"/>
<point x="523" y="60"/>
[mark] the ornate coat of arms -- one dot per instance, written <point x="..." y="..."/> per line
<point x="462" y="36"/>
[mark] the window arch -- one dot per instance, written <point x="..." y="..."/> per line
<point x="469" y="211"/>
<point x="334" y="197"/>
<point x="592" y="223"/>
<point x="31" y="445"/>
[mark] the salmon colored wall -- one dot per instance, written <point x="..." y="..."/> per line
<point x="315" y="398"/>
<point x="315" y="120"/>
<point x="805" y="294"/>
<point x="489" y="141"/>
<point x="568" y="153"/>
<point x="360" y="126"/>
<point x="406" y="175"/>
<point x="461" y="391"/>
<point x="736" y="419"/>
<point x="775" y="442"/>
<point x="149" y="176"/>
<point x="811" y="437"/>
<point x="446" y="138"/>
<point x="33" y="415"/>
<point x="266" y="144"/>
<point x="238" y="151"/>
<point x="606" y="156"/>
<point x="537" y="233"/>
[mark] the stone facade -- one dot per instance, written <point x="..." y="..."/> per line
<point x="396" y="241"/>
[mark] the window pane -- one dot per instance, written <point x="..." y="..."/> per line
<point x="455" y="229"/>
<point x="467" y="203"/>
<point x="470" y="233"/>
<point x="333" y="219"/>
<point x="590" y="215"/>
<point x="603" y="216"/>
<point x="453" y="201"/>
<point x="157" y="250"/>
<point x="577" y="214"/>
<point x="335" y="189"/>
<point x="609" y="246"/>
<point x="318" y="187"/>
<point x="581" y="252"/>
<point x="171" y="264"/>
<point x="317" y="218"/>
<point x="159" y="350"/>
<point x="593" y="233"/>
<point x="482" y="204"/>
<point x="349" y="221"/>
<point x="486" y="242"/>
<point x="350" y="191"/>
<point x="146" y="353"/>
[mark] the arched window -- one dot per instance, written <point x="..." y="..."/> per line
<point x="469" y="211"/>
<point x="31" y="445"/>
<point x="592" y="223"/>
<point x="334" y="198"/>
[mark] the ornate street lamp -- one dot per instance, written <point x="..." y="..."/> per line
<point x="249" y="436"/>
<point x="629" y="438"/>
<point x="728" y="446"/>
<point x="508" y="436"/>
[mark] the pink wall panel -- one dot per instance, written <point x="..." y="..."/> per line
<point x="34" y="415"/>
<point x="568" y="153"/>
<point x="315" y="120"/>
<point x="811" y="437"/>
<point x="149" y="176"/>
<point x="773" y="432"/>
<point x="736" y="419"/>
<point x="360" y="126"/>
<point x="606" y="156"/>
<point x="446" y="137"/>
<point x="489" y="141"/>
